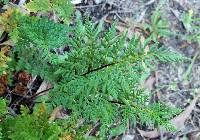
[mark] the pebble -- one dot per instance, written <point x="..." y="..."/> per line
<point x="128" y="137"/>
<point x="99" y="1"/>
<point x="76" y="1"/>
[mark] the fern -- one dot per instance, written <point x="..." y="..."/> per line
<point x="39" y="38"/>
<point x="8" y="20"/>
<point x="158" y="27"/>
<point x="33" y="127"/>
<point x="98" y="78"/>
<point x="4" y="60"/>
<point x="3" y="112"/>
<point x="36" y="5"/>
<point x="164" y="55"/>
<point x="99" y="74"/>
<point x="3" y="107"/>
<point x="192" y="26"/>
<point x="4" y="1"/>
<point x="62" y="7"/>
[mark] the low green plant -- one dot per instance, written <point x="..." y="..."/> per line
<point x="97" y="78"/>
<point x="4" y="60"/>
<point x="4" y="1"/>
<point x="3" y="112"/>
<point x="33" y="126"/>
<point x="61" y="7"/>
<point x="158" y="26"/>
<point x="3" y="107"/>
<point x="192" y="26"/>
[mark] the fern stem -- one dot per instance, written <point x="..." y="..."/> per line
<point x="37" y="94"/>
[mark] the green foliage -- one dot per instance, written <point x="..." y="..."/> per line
<point x="33" y="127"/>
<point x="62" y="7"/>
<point x="164" y="55"/>
<point x="73" y="131"/>
<point x="38" y="38"/>
<point x="4" y="60"/>
<point x="3" y="107"/>
<point x="192" y="26"/>
<point x="188" y="19"/>
<point x="8" y="20"/>
<point x="36" y="5"/>
<point x="3" y="111"/>
<point x="158" y="27"/>
<point x="98" y="78"/>
<point x="4" y="1"/>
<point x="118" y="130"/>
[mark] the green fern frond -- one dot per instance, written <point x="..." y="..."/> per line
<point x="4" y="60"/>
<point x="97" y="78"/>
<point x="3" y="107"/>
<point x="164" y="54"/>
<point x="25" y="126"/>
<point x="99" y="75"/>
<point x="36" y="5"/>
<point x="4" y="1"/>
<point x="39" y="38"/>
<point x="192" y="26"/>
<point x="158" y="27"/>
<point x="63" y="8"/>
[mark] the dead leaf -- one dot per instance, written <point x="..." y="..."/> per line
<point x="179" y="120"/>
<point x="43" y="90"/>
<point x="146" y="49"/>
<point x="94" y="130"/>
<point x="59" y="113"/>
<point x="55" y="113"/>
<point x="149" y="134"/>
<point x="149" y="83"/>
<point x="8" y="43"/>
<point x="44" y="86"/>
<point x="194" y="135"/>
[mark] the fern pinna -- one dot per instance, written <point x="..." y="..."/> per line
<point x="98" y="78"/>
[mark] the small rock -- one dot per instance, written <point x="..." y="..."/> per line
<point x="76" y="1"/>
<point x="99" y="1"/>
<point x="128" y="137"/>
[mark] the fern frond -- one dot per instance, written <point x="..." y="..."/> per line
<point x="8" y="19"/>
<point x="192" y="26"/>
<point x="63" y="8"/>
<point x="39" y="38"/>
<point x="4" y="59"/>
<point x="3" y="107"/>
<point x="164" y="55"/>
<point x="25" y="126"/>
<point x="158" y="27"/>
<point x="4" y="1"/>
<point x="97" y="78"/>
<point x="36" y="5"/>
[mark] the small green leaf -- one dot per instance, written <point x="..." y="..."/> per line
<point x="118" y="130"/>
<point x="38" y="5"/>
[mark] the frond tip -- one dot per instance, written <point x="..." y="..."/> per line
<point x="164" y="54"/>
